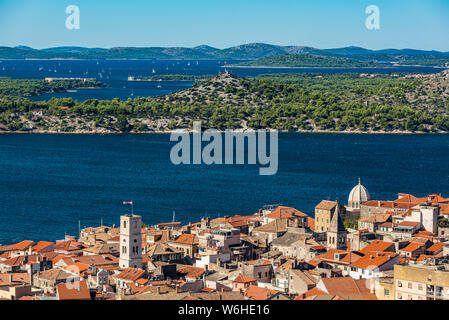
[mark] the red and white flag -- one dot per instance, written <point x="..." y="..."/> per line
<point x="128" y="202"/>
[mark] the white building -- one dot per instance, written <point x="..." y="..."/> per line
<point x="130" y="241"/>
<point x="426" y="215"/>
<point x="373" y="265"/>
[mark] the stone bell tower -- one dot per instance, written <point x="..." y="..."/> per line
<point x="130" y="241"/>
<point x="337" y="233"/>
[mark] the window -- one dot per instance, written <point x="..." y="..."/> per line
<point x="260" y="275"/>
<point x="124" y="224"/>
<point x="410" y="285"/>
<point x="399" y="284"/>
<point x="419" y="286"/>
<point x="386" y="292"/>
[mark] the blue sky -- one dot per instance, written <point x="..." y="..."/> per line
<point x="419" y="24"/>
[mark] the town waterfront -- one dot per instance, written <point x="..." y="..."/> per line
<point x="48" y="182"/>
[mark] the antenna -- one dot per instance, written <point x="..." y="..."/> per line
<point x="79" y="228"/>
<point x="101" y="223"/>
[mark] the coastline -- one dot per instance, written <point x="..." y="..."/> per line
<point x="85" y="132"/>
<point x="318" y="68"/>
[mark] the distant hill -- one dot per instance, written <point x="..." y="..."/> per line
<point x="307" y="60"/>
<point x="250" y="51"/>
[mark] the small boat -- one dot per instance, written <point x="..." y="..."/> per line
<point x="159" y="86"/>
<point x="154" y="71"/>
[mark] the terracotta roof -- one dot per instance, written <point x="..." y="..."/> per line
<point x="376" y="218"/>
<point x="424" y="234"/>
<point x="244" y="279"/>
<point x="17" y="278"/>
<point x="23" y="245"/>
<point x="258" y="262"/>
<point x="73" y="291"/>
<point x="54" y="274"/>
<point x="412" y="246"/>
<point x="311" y="223"/>
<point x="161" y="248"/>
<point x="387" y="225"/>
<point x="377" y="246"/>
<point x="311" y="293"/>
<point x="142" y="281"/>
<point x="256" y="293"/>
<point x="97" y="260"/>
<point x="326" y="205"/>
<point x="69" y="246"/>
<point x="347" y="288"/>
<point x="41" y="245"/>
<point x="191" y="272"/>
<point x="77" y="266"/>
<point x="276" y="226"/>
<point x="388" y="204"/>
<point x="285" y="213"/>
<point x="436" y="247"/>
<point x="16" y="261"/>
<point x="131" y="274"/>
<point x="408" y="224"/>
<point x="423" y="257"/>
<point x="372" y="261"/>
<point x="186" y="238"/>
<point x="344" y="257"/>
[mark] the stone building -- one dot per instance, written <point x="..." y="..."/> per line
<point x="130" y="241"/>
<point x="324" y="212"/>
<point x="337" y="233"/>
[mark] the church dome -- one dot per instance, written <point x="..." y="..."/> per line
<point x="358" y="195"/>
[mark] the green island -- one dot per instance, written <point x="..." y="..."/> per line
<point x="304" y="60"/>
<point x="175" y="77"/>
<point x="35" y="87"/>
<point x="287" y="102"/>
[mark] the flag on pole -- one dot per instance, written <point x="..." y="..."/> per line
<point x="128" y="202"/>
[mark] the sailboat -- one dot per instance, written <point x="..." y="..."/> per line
<point x="154" y="71"/>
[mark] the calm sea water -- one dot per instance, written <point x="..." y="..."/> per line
<point x="49" y="182"/>
<point x="116" y="72"/>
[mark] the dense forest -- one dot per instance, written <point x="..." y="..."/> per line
<point x="309" y="102"/>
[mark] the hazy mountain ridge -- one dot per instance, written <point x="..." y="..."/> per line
<point x="241" y="52"/>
